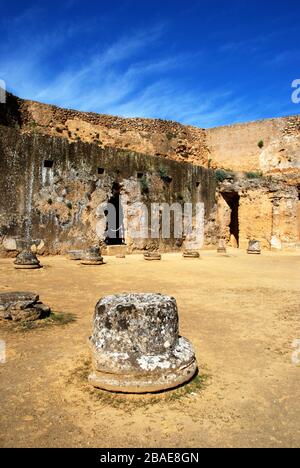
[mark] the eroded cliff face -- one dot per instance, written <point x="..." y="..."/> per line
<point x="265" y="209"/>
<point x="58" y="166"/>
<point x="153" y="137"/>
<point x="270" y="146"/>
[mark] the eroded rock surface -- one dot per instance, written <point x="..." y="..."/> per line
<point x="136" y="345"/>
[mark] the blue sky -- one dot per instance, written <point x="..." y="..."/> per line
<point x="198" y="62"/>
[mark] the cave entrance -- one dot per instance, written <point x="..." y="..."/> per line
<point x="115" y="233"/>
<point x="233" y="201"/>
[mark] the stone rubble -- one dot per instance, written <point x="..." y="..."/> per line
<point x="22" y="306"/>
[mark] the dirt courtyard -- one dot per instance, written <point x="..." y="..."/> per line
<point x="242" y="315"/>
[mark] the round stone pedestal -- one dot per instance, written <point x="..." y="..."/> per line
<point x="191" y="254"/>
<point x="254" y="248"/>
<point x="27" y="260"/>
<point x="152" y="256"/>
<point x="136" y="347"/>
<point x="92" y="257"/>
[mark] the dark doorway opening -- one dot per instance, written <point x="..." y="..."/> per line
<point x="115" y="234"/>
<point x="233" y="201"/>
<point x="48" y="164"/>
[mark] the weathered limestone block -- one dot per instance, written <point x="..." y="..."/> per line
<point x="152" y="256"/>
<point x="27" y="260"/>
<point x="22" y="306"/>
<point x="136" y="347"/>
<point x="92" y="257"/>
<point x="254" y="247"/>
<point x="191" y="254"/>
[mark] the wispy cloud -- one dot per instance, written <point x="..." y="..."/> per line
<point x="284" y="57"/>
<point x="116" y="79"/>
<point x="248" y="45"/>
<point x="165" y="100"/>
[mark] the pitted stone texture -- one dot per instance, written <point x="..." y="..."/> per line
<point x="22" y="306"/>
<point x="92" y="256"/>
<point x="152" y="256"/>
<point x="191" y="254"/>
<point x="136" y="347"/>
<point x="27" y="260"/>
<point x="254" y="247"/>
<point x="17" y="300"/>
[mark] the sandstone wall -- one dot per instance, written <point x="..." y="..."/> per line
<point x="62" y="202"/>
<point x="160" y="138"/>
<point x="57" y="206"/>
<point x="267" y="211"/>
<point x="231" y="147"/>
<point x="236" y="147"/>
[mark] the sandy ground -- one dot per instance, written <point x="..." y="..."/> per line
<point x="242" y="315"/>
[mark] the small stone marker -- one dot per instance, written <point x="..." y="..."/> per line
<point x="136" y="346"/>
<point x="22" y="306"/>
<point x="27" y="260"/>
<point x="254" y="248"/>
<point x="222" y="247"/>
<point x="152" y="256"/>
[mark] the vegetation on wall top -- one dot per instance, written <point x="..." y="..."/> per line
<point x="222" y="175"/>
<point x="254" y="175"/>
<point x="261" y="144"/>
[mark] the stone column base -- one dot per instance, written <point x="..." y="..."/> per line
<point x="143" y="384"/>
